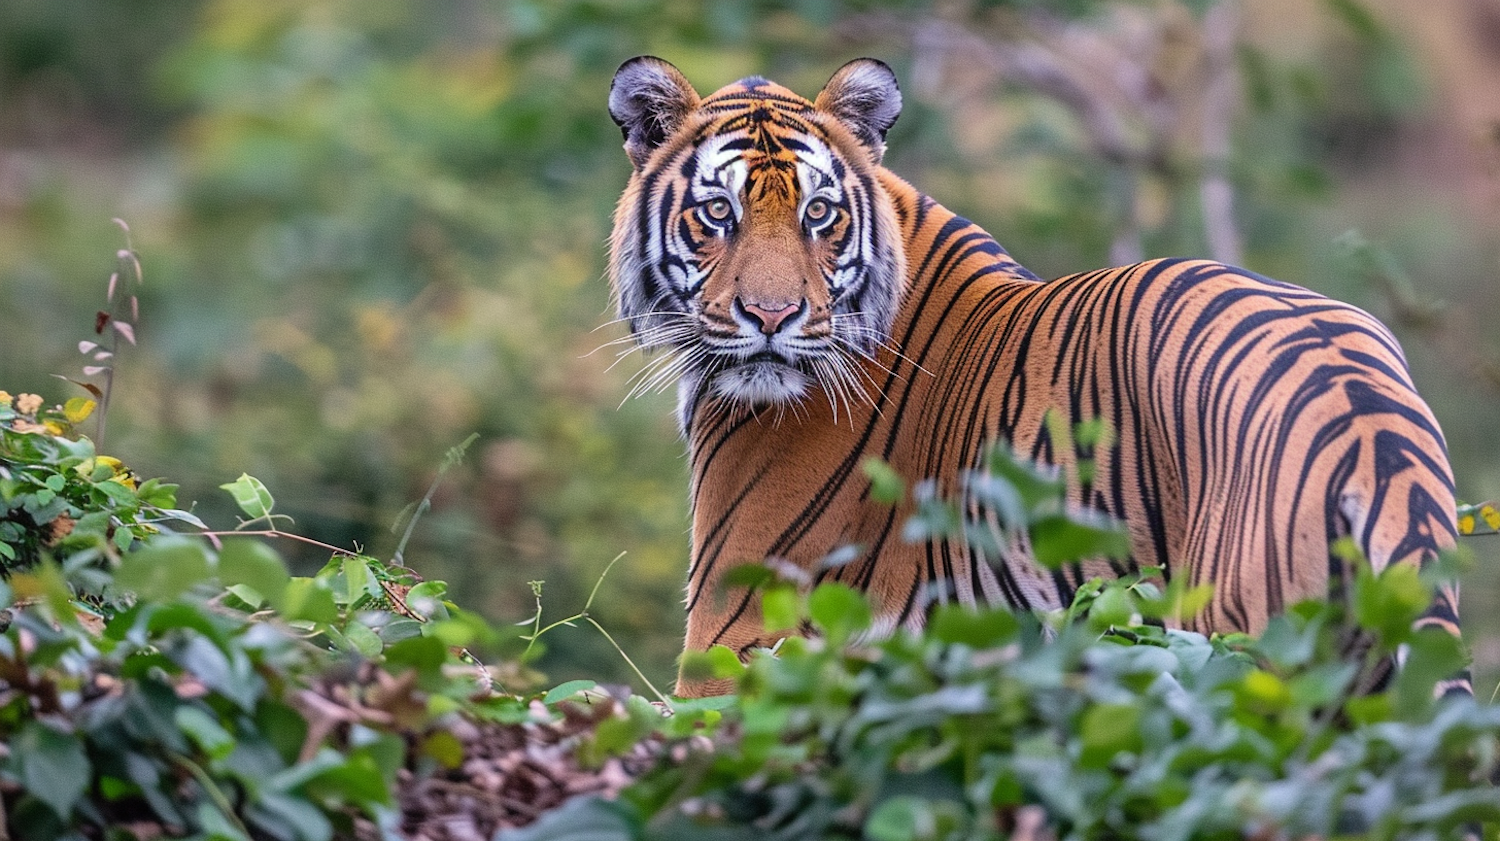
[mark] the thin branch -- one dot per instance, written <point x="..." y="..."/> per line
<point x="1220" y="94"/>
<point x="1038" y="68"/>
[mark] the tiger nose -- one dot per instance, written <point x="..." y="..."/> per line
<point x="771" y="317"/>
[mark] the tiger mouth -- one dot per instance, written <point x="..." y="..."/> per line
<point x="770" y="356"/>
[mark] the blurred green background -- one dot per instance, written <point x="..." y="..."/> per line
<point x="370" y="228"/>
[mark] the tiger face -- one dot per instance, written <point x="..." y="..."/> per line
<point x="754" y="244"/>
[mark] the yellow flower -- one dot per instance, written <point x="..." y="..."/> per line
<point x="5" y="397"/>
<point x="27" y="404"/>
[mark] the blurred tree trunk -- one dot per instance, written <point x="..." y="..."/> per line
<point x="1153" y="90"/>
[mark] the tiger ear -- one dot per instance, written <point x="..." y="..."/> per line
<point x="864" y="95"/>
<point x="648" y="100"/>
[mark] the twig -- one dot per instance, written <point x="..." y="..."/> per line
<point x="637" y="669"/>
<point x="1035" y="67"/>
<point x="454" y="456"/>
<point x="210" y="788"/>
<point x="1216" y="193"/>
<point x="274" y="532"/>
<point x="537" y="631"/>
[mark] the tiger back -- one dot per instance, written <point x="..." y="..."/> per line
<point x="815" y="310"/>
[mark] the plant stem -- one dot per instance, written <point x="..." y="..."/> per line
<point x="454" y="456"/>
<point x="275" y="532"/>
<point x="607" y="567"/>
<point x="210" y="788"/>
<point x="638" y="673"/>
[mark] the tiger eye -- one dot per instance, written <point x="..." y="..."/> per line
<point x="718" y="209"/>
<point x="817" y="210"/>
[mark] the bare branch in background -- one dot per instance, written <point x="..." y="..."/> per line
<point x="1220" y="94"/>
<point x="1110" y="78"/>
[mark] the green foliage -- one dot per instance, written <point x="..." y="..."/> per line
<point x="175" y="712"/>
<point x="1141" y="732"/>
<point x="57" y="494"/>
<point x="1098" y="722"/>
<point x="1026" y="501"/>
<point x="194" y="697"/>
<point x="375" y="228"/>
<point x="152" y="677"/>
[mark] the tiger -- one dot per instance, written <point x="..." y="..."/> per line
<point x="816" y="310"/>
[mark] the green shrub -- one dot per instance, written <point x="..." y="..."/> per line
<point x="161" y="682"/>
<point x="172" y="684"/>
<point x="1095" y="723"/>
<point x="982" y="726"/>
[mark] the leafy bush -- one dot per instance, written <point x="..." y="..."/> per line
<point x="158" y="683"/>
<point x="1096" y="723"/>
<point x="982" y="728"/>
<point x="155" y="683"/>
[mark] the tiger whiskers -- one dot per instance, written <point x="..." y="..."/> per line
<point x="844" y="378"/>
<point x="661" y="372"/>
<point x="676" y="333"/>
<point x="850" y="328"/>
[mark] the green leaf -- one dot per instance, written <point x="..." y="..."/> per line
<point x="205" y="732"/>
<point x="249" y="597"/>
<point x="401" y="629"/>
<point x="717" y="663"/>
<point x="248" y="562"/>
<point x="159" y="494"/>
<point x="1390" y="602"/>
<point x="119" y="494"/>
<point x="165" y="569"/>
<point x="444" y="747"/>
<point x="424" y="654"/>
<point x="1433" y="655"/>
<point x="977" y="628"/>
<point x="1263" y="693"/>
<point x="227" y="670"/>
<point x="1033" y="487"/>
<point x="284" y="728"/>
<point x="567" y="690"/>
<point x="251" y="496"/>
<point x="363" y="640"/>
<point x="366" y="776"/>
<point x="282" y="815"/>
<point x="1112" y="608"/>
<point x="902" y="818"/>
<point x="1108" y="730"/>
<point x="217" y="827"/>
<point x="839" y="610"/>
<point x="781" y="608"/>
<point x="580" y="819"/>
<point x="1058" y="539"/>
<point x="359" y="582"/>
<point x="886" y="487"/>
<point x="427" y="600"/>
<point x="308" y="600"/>
<point x="54" y="767"/>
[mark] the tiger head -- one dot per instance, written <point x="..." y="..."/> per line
<point x="754" y="242"/>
